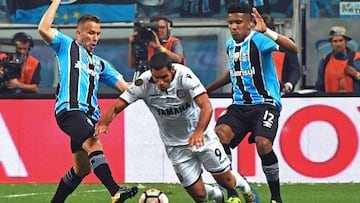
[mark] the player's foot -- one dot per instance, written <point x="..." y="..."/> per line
<point x="249" y="197"/>
<point x="253" y="191"/>
<point x="233" y="200"/>
<point x="124" y="194"/>
<point x="274" y="201"/>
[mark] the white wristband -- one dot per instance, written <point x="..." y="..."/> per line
<point x="271" y="34"/>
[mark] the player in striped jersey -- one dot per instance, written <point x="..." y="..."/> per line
<point x="77" y="110"/>
<point x="182" y="110"/>
<point x="256" y="95"/>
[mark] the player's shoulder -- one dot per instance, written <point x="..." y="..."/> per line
<point x="144" y="79"/>
<point x="182" y="71"/>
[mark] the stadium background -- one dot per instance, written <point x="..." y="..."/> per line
<point x="318" y="136"/>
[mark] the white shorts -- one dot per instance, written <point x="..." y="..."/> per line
<point x="188" y="162"/>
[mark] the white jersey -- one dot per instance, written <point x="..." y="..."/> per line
<point x="175" y="110"/>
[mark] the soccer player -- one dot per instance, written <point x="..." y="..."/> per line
<point x="256" y="95"/>
<point x="77" y="110"/>
<point x="182" y="109"/>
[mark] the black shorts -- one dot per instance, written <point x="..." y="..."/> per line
<point x="260" y="120"/>
<point x="77" y="125"/>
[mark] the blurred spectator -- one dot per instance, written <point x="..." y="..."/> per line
<point x="353" y="69"/>
<point x="200" y="8"/>
<point x="23" y="75"/>
<point x="332" y="76"/>
<point x="140" y="50"/>
<point x="317" y="7"/>
<point x="261" y="5"/>
<point x="4" y="12"/>
<point x="147" y="8"/>
<point x="286" y="63"/>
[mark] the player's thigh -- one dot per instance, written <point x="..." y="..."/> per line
<point x="232" y="126"/>
<point x="77" y="125"/>
<point x="267" y="119"/>
<point x="186" y="166"/>
<point x="214" y="158"/>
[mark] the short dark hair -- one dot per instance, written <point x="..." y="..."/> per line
<point x="88" y="17"/>
<point x="160" y="60"/>
<point x="239" y="8"/>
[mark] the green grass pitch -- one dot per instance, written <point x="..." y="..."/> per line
<point x="96" y="193"/>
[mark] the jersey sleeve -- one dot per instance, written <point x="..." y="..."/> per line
<point x="264" y="43"/>
<point x="60" y="43"/>
<point x="109" y="76"/>
<point x="132" y="94"/>
<point x="192" y="83"/>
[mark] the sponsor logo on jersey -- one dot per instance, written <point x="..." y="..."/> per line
<point x="242" y="72"/>
<point x="85" y="67"/>
<point x="174" y="110"/>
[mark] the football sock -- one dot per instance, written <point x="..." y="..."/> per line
<point x="102" y="171"/>
<point x="212" y="193"/>
<point x="67" y="185"/>
<point x="230" y="192"/>
<point x="241" y="182"/>
<point x="270" y="167"/>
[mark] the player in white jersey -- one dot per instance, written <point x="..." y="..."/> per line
<point x="182" y="109"/>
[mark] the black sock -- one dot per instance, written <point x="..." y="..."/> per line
<point x="102" y="171"/>
<point x="67" y="185"/>
<point x="270" y="167"/>
<point x="231" y="192"/>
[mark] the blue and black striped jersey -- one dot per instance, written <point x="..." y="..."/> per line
<point x="79" y="75"/>
<point x="252" y="70"/>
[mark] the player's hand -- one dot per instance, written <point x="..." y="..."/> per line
<point x="196" y="140"/>
<point x="260" y="25"/>
<point x="287" y="88"/>
<point x="101" y="129"/>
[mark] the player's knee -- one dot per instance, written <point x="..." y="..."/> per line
<point x="263" y="145"/>
<point x="226" y="180"/>
<point x="224" y="133"/>
<point x="200" y="196"/>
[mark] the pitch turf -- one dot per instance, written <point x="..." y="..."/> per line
<point x="96" y="193"/>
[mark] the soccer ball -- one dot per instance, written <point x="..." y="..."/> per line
<point x="153" y="195"/>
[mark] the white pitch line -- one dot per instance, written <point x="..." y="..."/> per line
<point x="45" y="193"/>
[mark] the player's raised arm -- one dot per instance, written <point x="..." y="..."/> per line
<point x="44" y="27"/>
<point x="281" y="40"/>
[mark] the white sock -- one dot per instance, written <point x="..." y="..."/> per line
<point x="241" y="182"/>
<point x="212" y="192"/>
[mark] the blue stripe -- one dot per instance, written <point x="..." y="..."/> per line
<point x="70" y="13"/>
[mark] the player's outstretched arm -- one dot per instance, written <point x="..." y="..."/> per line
<point x="222" y="81"/>
<point x="44" y="27"/>
<point x="109" y="115"/>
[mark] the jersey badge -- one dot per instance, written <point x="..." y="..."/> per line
<point x="181" y="93"/>
<point x="139" y="82"/>
<point x="236" y="56"/>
